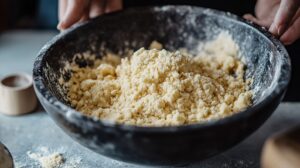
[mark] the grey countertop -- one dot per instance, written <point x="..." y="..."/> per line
<point x="18" y="49"/>
<point x="37" y="133"/>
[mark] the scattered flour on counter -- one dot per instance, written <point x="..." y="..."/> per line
<point x="55" y="159"/>
<point x="73" y="163"/>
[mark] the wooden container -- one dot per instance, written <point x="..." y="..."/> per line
<point x="6" y="160"/>
<point x="17" y="95"/>
<point x="282" y="150"/>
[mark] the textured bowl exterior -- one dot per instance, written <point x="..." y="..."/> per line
<point x="175" y="145"/>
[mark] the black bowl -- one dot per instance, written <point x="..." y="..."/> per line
<point x="176" y="27"/>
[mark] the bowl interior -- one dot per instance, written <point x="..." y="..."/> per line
<point x="175" y="27"/>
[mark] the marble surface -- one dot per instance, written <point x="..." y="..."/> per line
<point x="37" y="133"/>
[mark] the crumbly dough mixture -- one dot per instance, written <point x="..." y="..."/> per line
<point x="157" y="87"/>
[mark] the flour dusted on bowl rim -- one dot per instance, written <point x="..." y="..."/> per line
<point x="157" y="87"/>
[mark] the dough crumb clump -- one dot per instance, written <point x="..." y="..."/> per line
<point x="54" y="160"/>
<point x="157" y="87"/>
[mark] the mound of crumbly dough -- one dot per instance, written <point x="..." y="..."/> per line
<point x="161" y="88"/>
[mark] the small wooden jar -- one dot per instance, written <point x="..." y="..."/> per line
<point x="282" y="150"/>
<point x="17" y="95"/>
<point x="6" y="160"/>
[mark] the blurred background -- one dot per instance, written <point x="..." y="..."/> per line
<point x="25" y="26"/>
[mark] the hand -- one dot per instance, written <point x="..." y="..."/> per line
<point x="282" y="17"/>
<point x="73" y="11"/>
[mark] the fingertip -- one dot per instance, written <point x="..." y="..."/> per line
<point x="286" y="39"/>
<point x="61" y="26"/>
<point x="114" y="5"/>
<point x="275" y="30"/>
<point x="58" y="27"/>
<point x="287" y="42"/>
<point x="272" y="29"/>
<point x="75" y="11"/>
<point x="248" y="16"/>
